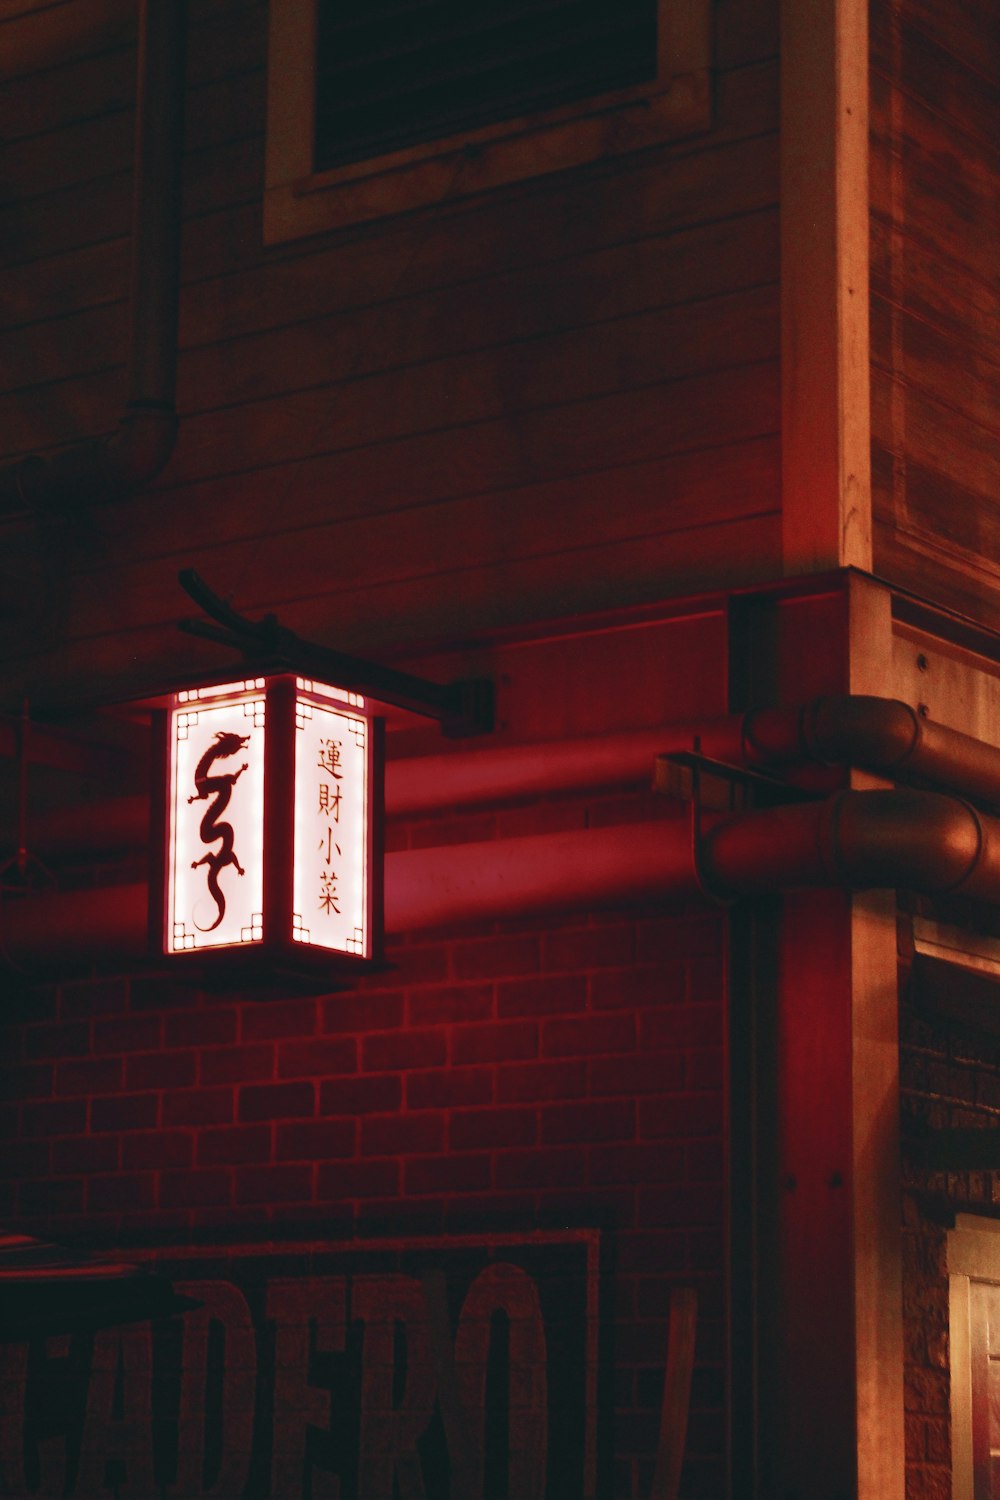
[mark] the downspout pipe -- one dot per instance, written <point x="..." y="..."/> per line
<point x="109" y="468"/>
<point x="881" y="734"/>
<point x="922" y="841"/>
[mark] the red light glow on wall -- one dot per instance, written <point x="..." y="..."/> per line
<point x="273" y="807"/>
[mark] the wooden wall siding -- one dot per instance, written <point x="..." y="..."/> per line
<point x="558" y="397"/>
<point x="936" y="300"/>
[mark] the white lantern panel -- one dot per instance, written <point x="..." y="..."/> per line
<point x="215" y="865"/>
<point x="330" y="886"/>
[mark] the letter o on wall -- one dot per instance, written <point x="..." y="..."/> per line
<point x="506" y="1289"/>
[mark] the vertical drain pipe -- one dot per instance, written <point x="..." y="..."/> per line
<point x="112" y="467"/>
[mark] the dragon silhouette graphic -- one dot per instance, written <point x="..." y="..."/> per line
<point x="219" y="787"/>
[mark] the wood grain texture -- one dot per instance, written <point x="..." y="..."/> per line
<point x="543" y="399"/>
<point x="936" y="301"/>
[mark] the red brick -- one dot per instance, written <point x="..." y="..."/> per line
<point x="540" y="1169"/>
<point x="487" y="958"/>
<point x="449" y="1088"/>
<point x="694" y="1203"/>
<point x="664" y="1162"/>
<point x="452" y="1003"/>
<point x="505" y="1041"/>
<point x="284" y="1184"/>
<point x="275" y="1101"/>
<point x="447" y="1174"/>
<point x="395" y="1216"/>
<point x="358" y="1096"/>
<point x="706" y="981"/>
<point x="65" y="1039"/>
<point x="661" y="984"/>
<point x="97" y="999"/>
<point x="234" y="1144"/>
<point x="681" y="1115"/>
<point x="705" y="1160"/>
<point x="644" y="1073"/>
<point x="681" y="1026"/>
<point x="542" y="997"/>
<point x="477" y="1213"/>
<point x="314" y="1140"/>
<point x="403" y="1049"/>
<point x="52" y="1195"/>
<point x="694" y="936"/>
<point x="477" y="1129"/>
<point x="417" y="964"/>
<point x="123" y="1190"/>
<point x="585" y="948"/>
<point x="126" y="1112"/>
<point x="25" y="1159"/>
<point x="237" y="1064"/>
<point x="359" y="1011"/>
<point x="279" y="1018"/>
<point x="656" y="1250"/>
<point x="518" y="1083"/>
<point x="159" y="1070"/>
<point x="607" y="1120"/>
<point x="358" y="1179"/>
<point x="317" y="1056"/>
<point x="214" y="1025"/>
<point x="89" y="1075"/>
<point x="578" y="1036"/>
<point x="162" y="992"/>
<point x="198" y="1189"/>
<point x="54" y="1117"/>
<point x="127" y="1034"/>
<point x="87" y="1153"/>
<point x="158" y="1148"/>
<point x="28" y="1082"/>
<point x="199" y="1107"/>
<point x="399" y="1135"/>
<point x="703" y="1068"/>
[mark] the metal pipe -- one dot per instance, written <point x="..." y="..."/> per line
<point x="879" y="733"/>
<point x="921" y="841"/>
<point x="109" y="468"/>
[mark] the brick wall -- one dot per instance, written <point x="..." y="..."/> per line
<point x="510" y="1077"/>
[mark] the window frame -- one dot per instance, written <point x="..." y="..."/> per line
<point x="299" y="201"/>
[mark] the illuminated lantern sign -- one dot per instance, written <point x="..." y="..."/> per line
<point x="272" y="825"/>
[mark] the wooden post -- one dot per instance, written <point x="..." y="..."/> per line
<point x="828" y="1337"/>
<point x="826" y="467"/>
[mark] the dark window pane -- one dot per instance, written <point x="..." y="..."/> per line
<point x="391" y="73"/>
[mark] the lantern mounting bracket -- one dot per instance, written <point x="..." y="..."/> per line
<point x="462" y="708"/>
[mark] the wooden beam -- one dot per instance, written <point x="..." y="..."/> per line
<point x="826" y="466"/>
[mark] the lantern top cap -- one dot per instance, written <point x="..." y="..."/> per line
<point x="203" y="692"/>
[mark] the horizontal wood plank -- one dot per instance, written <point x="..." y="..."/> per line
<point x="966" y="29"/>
<point x="927" y="72"/>
<point x="270" y="415"/>
<point x="342" y="341"/>
<point x="946" y="191"/>
<point x="348" y="553"/>
<point x="957" y="374"/>
<point x="937" y="438"/>
<point x="437" y="608"/>
<point x="916" y="276"/>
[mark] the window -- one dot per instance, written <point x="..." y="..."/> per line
<point x="389" y="105"/>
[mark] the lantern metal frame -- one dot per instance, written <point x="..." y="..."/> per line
<point x="274" y="950"/>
